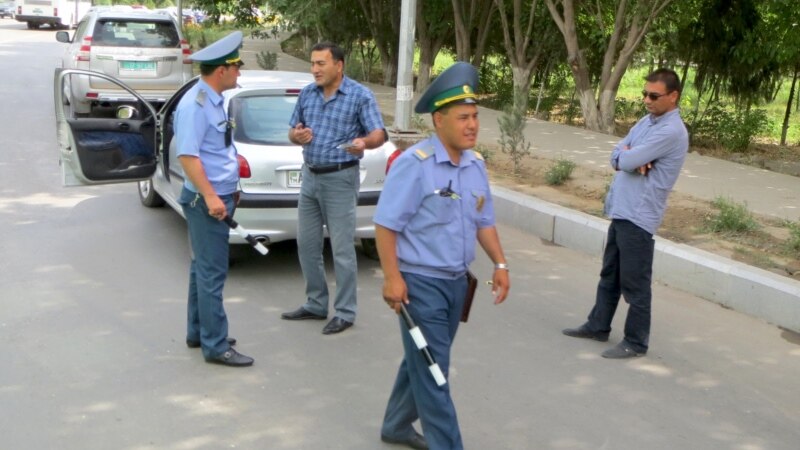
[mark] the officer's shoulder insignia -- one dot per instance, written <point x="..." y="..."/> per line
<point x="478" y="155"/>
<point x="201" y="97"/>
<point x="421" y="154"/>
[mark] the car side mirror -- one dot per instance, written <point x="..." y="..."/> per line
<point x="63" y="36"/>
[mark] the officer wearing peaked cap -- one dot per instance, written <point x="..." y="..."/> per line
<point x="435" y="205"/>
<point x="203" y="133"/>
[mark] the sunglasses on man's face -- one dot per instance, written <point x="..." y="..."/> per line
<point x="654" y="95"/>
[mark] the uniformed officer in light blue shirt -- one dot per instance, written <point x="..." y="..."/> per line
<point x="435" y="205"/>
<point x="208" y="157"/>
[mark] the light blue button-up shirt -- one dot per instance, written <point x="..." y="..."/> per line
<point x="200" y="124"/>
<point x="642" y="199"/>
<point x="436" y="234"/>
<point x="349" y="113"/>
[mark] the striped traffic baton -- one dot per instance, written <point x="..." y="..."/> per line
<point x="422" y="345"/>
<point x="234" y="225"/>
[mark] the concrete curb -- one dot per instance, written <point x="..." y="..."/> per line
<point x="721" y="280"/>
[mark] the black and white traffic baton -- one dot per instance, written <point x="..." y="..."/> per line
<point x="422" y="345"/>
<point x="247" y="236"/>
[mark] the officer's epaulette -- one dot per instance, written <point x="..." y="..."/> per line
<point x="421" y="154"/>
<point x="201" y="97"/>
<point x="478" y="155"/>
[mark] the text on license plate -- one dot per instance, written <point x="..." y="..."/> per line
<point x="138" y="65"/>
<point x="294" y="178"/>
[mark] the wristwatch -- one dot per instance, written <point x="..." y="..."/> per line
<point x="502" y="266"/>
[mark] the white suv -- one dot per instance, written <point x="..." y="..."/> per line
<point x="144" y="50"/>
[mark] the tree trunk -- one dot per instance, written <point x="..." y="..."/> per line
<point x="785" y="128"/>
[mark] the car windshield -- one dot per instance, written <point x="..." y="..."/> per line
<point x="131" y="33"/>
<point x="262" y="119"/>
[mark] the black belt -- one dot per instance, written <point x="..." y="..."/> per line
<point x="328" y="168"/>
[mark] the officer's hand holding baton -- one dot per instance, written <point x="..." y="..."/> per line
<point x="395" y="293"/>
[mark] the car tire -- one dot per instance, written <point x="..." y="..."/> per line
<point x="148" y="195"/>
<point x="369" y="248"/>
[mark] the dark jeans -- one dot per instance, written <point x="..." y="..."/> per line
<point x="627" y="271"/>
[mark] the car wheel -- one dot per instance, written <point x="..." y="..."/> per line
<point x="148" y="195"/>
<point x="369" y="249"/>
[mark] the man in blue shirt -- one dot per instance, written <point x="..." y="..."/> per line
<point x="434" y="206"/>
<point x="648" y="161"/>
<point x="208" y="158"/>
<point x="335" y="120"/>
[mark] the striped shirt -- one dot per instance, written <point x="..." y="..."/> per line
<point x="350" y="113"/>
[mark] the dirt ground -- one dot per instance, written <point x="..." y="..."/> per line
<point x="685" y="220"/>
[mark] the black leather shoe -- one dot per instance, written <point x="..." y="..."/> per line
<point x="584" y="332"/>
<point x="231" y="358"/>
<point x="623" y="350"/>
<point x="196" y="344"/>
<point x="415" y="441"/>
<point x="301" y="314"/>
<point x="336" y="325"/>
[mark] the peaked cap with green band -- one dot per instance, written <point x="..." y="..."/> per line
<point x="221" y="52"/>
<point x="457" y="84"/>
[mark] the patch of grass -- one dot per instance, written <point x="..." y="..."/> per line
<point x="559" y="172"/>
<point x="793" y="243"/>
<point x="733" y="217"/>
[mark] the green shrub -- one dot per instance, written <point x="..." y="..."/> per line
<point x="559" y="172"/>
<point x="267" y="60"/>
<point x="732" y="217"/>
<point x="733" y="130"/>
<point x="485" y="151"/>
<point x="793" y="243"/>
<point x="512" y="137"/>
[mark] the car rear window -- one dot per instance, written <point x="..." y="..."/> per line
<point x="135" y="33"/>
<point x="262" y="119"/>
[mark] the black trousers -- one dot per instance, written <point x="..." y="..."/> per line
<point x="627" y="271"/>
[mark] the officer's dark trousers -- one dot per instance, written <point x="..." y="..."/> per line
<point x="435" y="305"/>
<point x="627" y="270"/>
<point x="208" y="236"/>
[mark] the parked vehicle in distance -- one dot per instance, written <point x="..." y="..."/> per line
<point x="55" y="13"/>
<point x="143" y="49"/>
<point x="138" y="145"/>
<point x="7" y="10"/>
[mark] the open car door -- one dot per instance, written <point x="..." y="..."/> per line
<point x="107" y="146"/>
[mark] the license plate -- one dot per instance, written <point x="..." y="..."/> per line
<point x="138" y="66"/>
<point x="295" y="178"/>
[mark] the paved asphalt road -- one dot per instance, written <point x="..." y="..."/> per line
<point x="92" y="317"/>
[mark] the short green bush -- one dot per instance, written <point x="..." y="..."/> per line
<point x="485" y="151"/>
<point x="267" y="60"/>
<point x="732" y="217"/>
<point x="733" y="130"/>
<point x="793" y="243"/>
<point x="559" y="172"/>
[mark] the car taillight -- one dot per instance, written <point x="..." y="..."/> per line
<point x="392" y="157"/>
<point x="186" y="51"/>
<point x="85" y="50"/>
<point x="244" y="167"/>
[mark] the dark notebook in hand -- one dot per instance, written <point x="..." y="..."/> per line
<point x="472" y="284"/>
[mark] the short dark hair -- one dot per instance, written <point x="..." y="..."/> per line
<point x="206" y="70"/>
<point x="336" y="51"/>
<point x="667" y="76"/>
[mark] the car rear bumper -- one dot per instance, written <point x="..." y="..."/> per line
<point x="273" y="218"/>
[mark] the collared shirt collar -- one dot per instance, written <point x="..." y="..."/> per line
<point x="441" y="155"/>
<point x="344" y="88"/>
<point x="211" y="94"/>
<point x="656" y="119"/>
